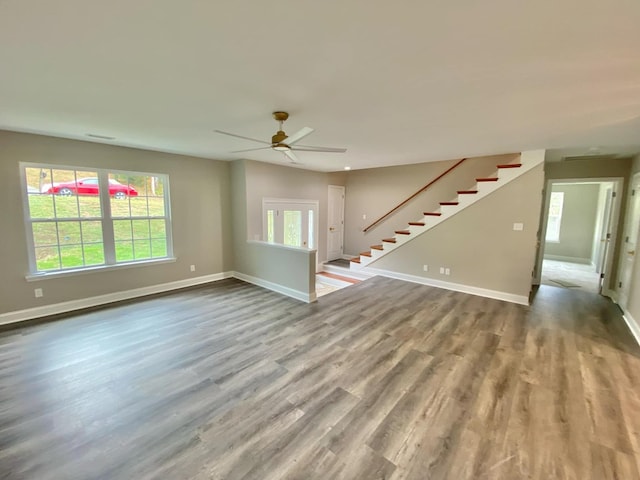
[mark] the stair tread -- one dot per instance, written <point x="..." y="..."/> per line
<point x="403" y="232"/>
<point x="449" y="203"/>
<point x="488" y="179"/>
<point x="434" y="214"/>
<point x="339" y="277"/>
<point x="510" y="165"/>
<point x="417" y="224"/>
<point x="355" y="260"/>
<point x="389" y="240"/>
<point x="462" y="192"/>
<point x="377" y="247"/>
<point x="365" y="254"/>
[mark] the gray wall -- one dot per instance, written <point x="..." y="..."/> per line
<point x="580" y="208"/>
<point x="479" y="244"/>
<point x="200" y="208"/>
<point x="292" y="269"/>
<point x="373" y="192"/>
<point x="275" y="181"/>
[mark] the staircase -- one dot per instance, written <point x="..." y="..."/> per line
<point x="464" y="198"/>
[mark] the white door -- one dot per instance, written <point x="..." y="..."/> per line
<point x="629" y="242"/>
<point x="335" y="222"/>
<point x="605" y="231"/>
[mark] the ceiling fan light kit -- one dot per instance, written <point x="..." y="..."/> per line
<point x="278" y="140"/>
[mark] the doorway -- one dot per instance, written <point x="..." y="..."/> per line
<point x="580" y="220"/>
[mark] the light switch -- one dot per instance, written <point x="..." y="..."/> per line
<point x="518" y="227"/>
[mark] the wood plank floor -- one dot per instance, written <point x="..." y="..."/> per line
<point x="381" y="380"/>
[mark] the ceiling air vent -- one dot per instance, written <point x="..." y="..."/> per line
<point x="588" y="157"/>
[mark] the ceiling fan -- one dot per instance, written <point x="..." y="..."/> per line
<point x="281" y="142"/>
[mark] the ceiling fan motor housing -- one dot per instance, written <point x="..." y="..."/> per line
<point x="279" y="137"/>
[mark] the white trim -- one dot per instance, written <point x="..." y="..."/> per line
<point x="276" y="287"/>
<point x="565" y="258"/>
<point x="106" y="217"/>
<point x="633" y="325"/>
<point x="344" y="256"/>
<point x="282" y="246"/>
<point x="456" y="287"/>
<point x="56" y="308"/>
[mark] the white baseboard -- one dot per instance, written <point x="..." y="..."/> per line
<point x="456" y="287"/>
<point x="564" y="258"/>
<point x="276" y="287"/>
<point x="612" y="294"/>
<point x="63" y="307"/>
<point x="632" y="324"/>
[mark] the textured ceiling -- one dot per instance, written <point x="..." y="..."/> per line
<point x="394" y="83"/>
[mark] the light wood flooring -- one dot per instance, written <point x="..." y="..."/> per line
<point x="384" y="379"/>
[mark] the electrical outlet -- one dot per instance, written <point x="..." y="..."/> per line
<point x="193" y="268"/>
<point x="442" y="270"/>
<point x="38" y="292"/>
<point x="518" y="227"/>
<point x="447" y="271"/>
<point x="425" y="268"/>
<point x="364" y="216"/>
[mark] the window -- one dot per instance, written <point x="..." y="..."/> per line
<point x="555" y="217"/>
<point x="290" y="222"/>
<point x="82" y="218"/>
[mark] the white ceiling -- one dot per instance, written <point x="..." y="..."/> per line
<point x="394" y="82"/>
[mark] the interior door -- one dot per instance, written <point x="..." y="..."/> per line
<point x="629" y="243"/>
<point x="335" y="222"/>
<point x="605" y="232"/>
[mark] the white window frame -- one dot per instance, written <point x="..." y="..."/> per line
<point x="280" y="204"/>
<point x="553" y="235"/>
<point x="106" y="220"/>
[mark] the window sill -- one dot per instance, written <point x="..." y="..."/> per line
<point x="35" y="277"/>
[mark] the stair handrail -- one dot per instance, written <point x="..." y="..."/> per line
<point x="404" y="202"/>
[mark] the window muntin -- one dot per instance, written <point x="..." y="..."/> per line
<point x="73" y="224"/>
<point x="554" y="220"/>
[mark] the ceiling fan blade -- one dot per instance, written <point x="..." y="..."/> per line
<point x="299" y="135"/>
<point x="240" y="136"/>
<point x="305" y="148"/>
<point x="250" y="149"/>
<point x="292" y="156"/>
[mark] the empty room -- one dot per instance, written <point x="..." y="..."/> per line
<point x="330" y="240"/>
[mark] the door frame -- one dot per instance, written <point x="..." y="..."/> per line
<point x="618" y="188"/>
<point x="621" y="258"/>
